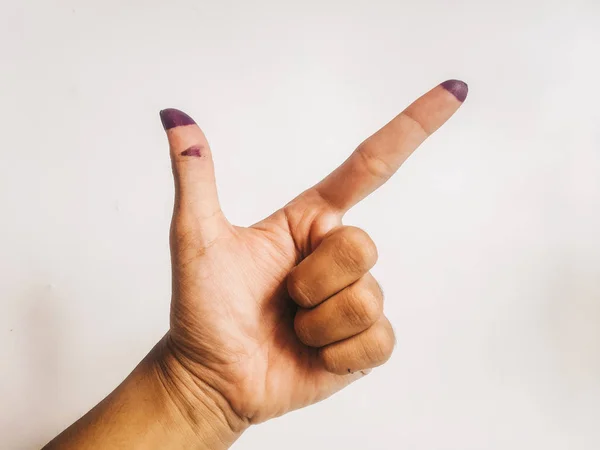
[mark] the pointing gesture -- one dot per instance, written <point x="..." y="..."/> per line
<point x="378" y="158"/>
<point x="283" y="314"/>
<point x="265" y="319"/>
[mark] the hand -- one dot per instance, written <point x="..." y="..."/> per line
<point x="280" y="315"/>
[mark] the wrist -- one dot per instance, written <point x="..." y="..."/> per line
<point x="195" y="407"/>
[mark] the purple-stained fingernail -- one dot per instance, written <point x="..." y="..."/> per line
<point x="458" y="88"/>
<point x="172" y="118"/>
<point x="192" y="151"/>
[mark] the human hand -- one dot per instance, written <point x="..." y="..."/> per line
<point x="277" y="316"/>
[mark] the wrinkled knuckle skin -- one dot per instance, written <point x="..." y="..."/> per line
<point x="382" y="344"/>
<point x="371" y="304"/>
<point x="363" y="307"/>
<point x="330" y="360"/>
<point x="298" y="290"/>
<point x="359" y="247"/>
<point x="353" y="313"/>
<point x="373" y="164"/>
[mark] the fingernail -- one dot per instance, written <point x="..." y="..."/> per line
<point x="172" y="118"/>
<point x="458" y="88"/>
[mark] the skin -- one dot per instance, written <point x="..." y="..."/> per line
<point x="265" y="319"/>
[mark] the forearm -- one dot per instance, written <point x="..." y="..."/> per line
<point x="155" y="407"/>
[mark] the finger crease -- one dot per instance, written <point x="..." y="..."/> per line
<point x="416" y="122"/>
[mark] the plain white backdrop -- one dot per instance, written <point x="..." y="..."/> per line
<point x="489" y="236"/>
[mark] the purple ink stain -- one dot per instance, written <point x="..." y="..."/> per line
<point x="172" y="118"/>
<point x="458" y="88"/>
<point x="192" y="151"/>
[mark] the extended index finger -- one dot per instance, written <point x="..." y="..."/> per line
<point x="380" y="156"/>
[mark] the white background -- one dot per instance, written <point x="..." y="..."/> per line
<point x="489" y="236"/>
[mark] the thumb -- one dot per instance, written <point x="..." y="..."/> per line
<point x="196" y="200"/>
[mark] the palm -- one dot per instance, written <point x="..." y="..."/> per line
<point x="245" y="332"/>
<point x="232" y="319"/>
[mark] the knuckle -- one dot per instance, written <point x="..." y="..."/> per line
<point x="330" y="359"/>
<point x="365" y="306"/>
<point x="358" y="247"/>
<point x="298" y="290"/>
<point x="372" y="163"/>
<point x="382" y="343"/>
<point x="372" y="304"/>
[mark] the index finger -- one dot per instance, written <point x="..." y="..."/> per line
<point x="380" y="156"/>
